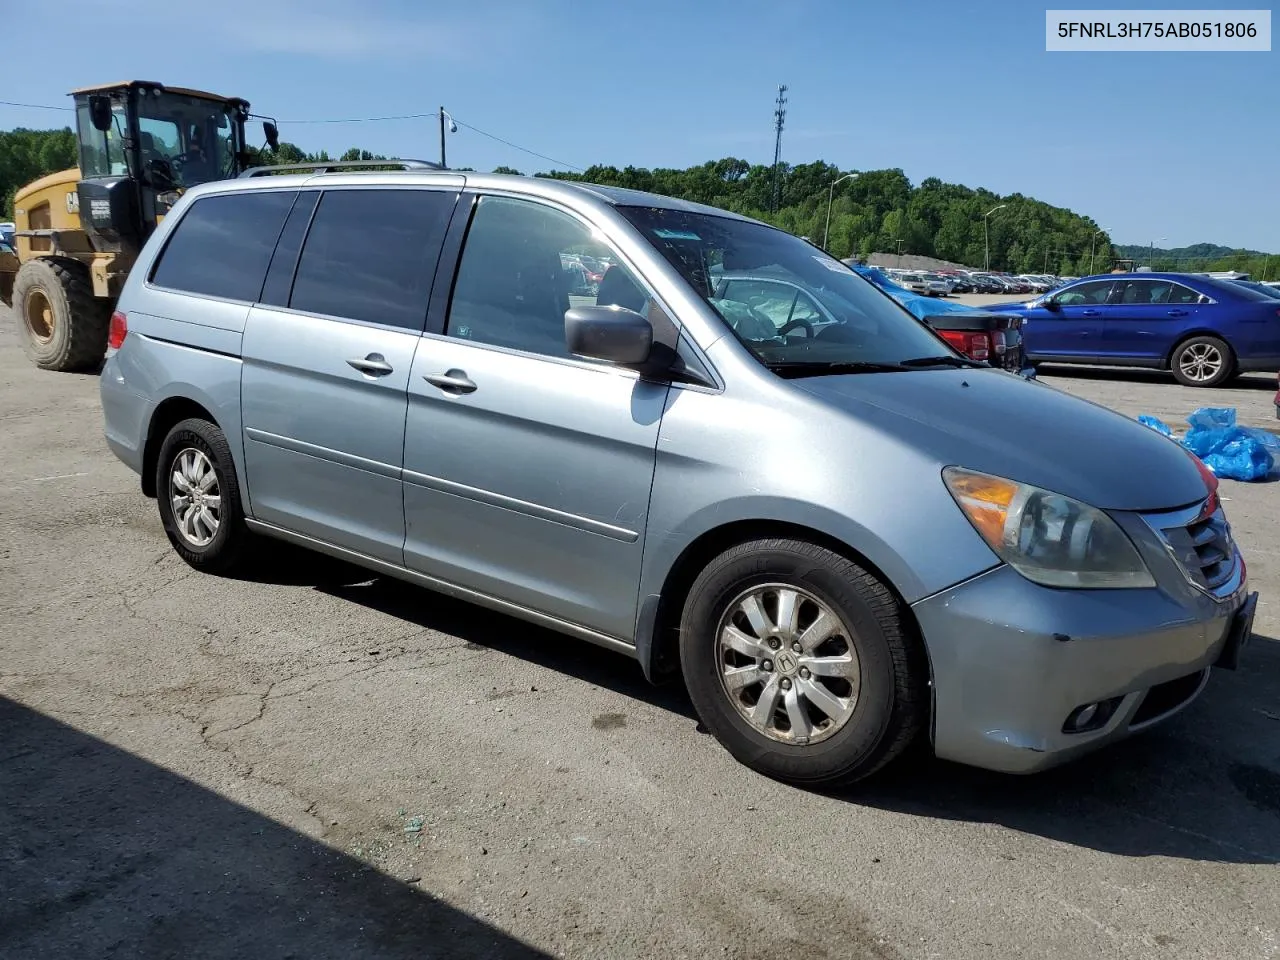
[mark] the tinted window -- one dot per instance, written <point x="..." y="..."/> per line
<point x="371" y="254"/>
<point x="522" y="268"/>
<point x="1093" y="292"/>
<point x="223" y="245"/>
<point x="1144" y="292"/>
<point x="285" y="260"/>
<point x="1181" y="294"/>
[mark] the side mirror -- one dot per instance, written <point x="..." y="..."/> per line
<point x="1051" y="303"/>
<point x="100" y="112"/>
<point x="612" y="334"/>
<point x="272" y="134"/>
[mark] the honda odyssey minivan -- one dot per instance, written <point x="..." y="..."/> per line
<point x="815" y="526"/>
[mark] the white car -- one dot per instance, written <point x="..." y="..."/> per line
<point x="929" y="285"/>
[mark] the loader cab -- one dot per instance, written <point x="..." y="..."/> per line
<point x="141" y="145"/>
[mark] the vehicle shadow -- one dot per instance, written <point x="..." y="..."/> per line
<point x="106" y="854"/>
<point x="1248" y="381"/>
<point x="1203" y="786"/>
<point x="282" y="563"/>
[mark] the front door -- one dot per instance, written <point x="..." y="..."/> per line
<point x="1139" y="320"/>
<point x="327" y="359"/>
<point x="1073" y="327"/>
<point x="527" y="471"/>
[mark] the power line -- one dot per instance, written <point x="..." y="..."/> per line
<point x="516" y="146"/>
<point x="32" y="106"/>
<point x="403" y="116"/>
<point x="461" y="123"/>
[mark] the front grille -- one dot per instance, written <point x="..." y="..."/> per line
<point x="1166" y="697"/>
<point x="1214" y="555"/>
<point x="1202" y="545"/>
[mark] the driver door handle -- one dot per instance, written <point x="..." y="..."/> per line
<point x="1090" y="313"/>
<point x="374" y="365"/>
<point x="451" y="381"/>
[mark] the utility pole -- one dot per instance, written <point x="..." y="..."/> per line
<point x="443" y="165"/>
<point x="779" y="118"/>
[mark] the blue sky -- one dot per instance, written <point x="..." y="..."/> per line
<point x="1184" y="146"/>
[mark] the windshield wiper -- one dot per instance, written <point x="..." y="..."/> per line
<point x="942" y="362"/>
<point x="820" y="368"/>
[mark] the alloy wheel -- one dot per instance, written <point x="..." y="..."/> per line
<point x="1201" y="362"/>
<point x="788" y="664"/>
<point x="196" y="498"/>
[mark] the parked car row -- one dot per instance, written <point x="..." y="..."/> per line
<point x="943" y="283"/>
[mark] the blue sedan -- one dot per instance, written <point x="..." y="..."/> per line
<point x="1202" y="329"/>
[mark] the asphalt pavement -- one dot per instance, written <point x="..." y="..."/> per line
<point x="313" y="762"/>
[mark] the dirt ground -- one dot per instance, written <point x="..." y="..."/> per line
<point x="312" y="762"/>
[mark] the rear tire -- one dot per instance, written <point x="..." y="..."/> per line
<point x="737" y="638"/>
<point x="62" y="325"/>
<point x="199" y="497"/>
<point x="1203" y="362"/>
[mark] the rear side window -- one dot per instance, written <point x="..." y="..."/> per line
<point x="371" y="255"/>
<point x="223" y="245"/>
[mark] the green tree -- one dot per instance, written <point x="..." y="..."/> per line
<point x="27" y="155"/>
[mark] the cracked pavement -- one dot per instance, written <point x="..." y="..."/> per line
<point x="313" y="761"/>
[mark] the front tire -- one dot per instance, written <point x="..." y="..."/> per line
<point x="1203" y="362"/>
<point x="62" y="325"/>
<point x="199" y="497"/>
<point x="801" y="663"/>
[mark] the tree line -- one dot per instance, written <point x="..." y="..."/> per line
<point x="878" y="211"/>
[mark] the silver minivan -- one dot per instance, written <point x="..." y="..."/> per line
<point x="844" y="537"/>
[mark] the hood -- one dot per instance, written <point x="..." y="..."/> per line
<point x="1013" y="306"/>
<point x="1001" y="424"/>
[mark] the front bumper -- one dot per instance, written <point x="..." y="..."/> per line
<point x="1012" y="660"/>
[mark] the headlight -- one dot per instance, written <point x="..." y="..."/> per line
<point x="1048" y="538"/>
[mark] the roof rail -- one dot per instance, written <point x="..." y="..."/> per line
<point x="329" y="165"/>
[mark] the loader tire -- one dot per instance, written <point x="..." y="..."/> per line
<point x="63" y="326"/>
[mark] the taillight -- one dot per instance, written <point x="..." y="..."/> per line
<point x="976" y="346"/>
<point x="118" y="331"/>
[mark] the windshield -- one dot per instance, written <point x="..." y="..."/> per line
<point x="191" y="139"/>
<point x="786" y="300"/>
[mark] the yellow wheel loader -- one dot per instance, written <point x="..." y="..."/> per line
<point x="79" y="231"/>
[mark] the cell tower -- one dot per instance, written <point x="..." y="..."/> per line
<point x="779" y="118"/>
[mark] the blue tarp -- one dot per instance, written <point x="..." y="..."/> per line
<point x="1229" y="450"/>
<point x="919" y="305"/>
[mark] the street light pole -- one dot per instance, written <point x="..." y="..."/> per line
<point x="1093" y="244"/>
<point x="1151" y="252"/>
<point x="453" y="128"/>
<point x="831" y="193"/>
<point x="986" y="241"/>
<point x="899" y="243"/>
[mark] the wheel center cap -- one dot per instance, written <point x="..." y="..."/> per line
<point x="786" y="663"/>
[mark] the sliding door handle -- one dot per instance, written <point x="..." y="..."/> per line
<point x="451" y="381"/>
<point x="374" y="365"/>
